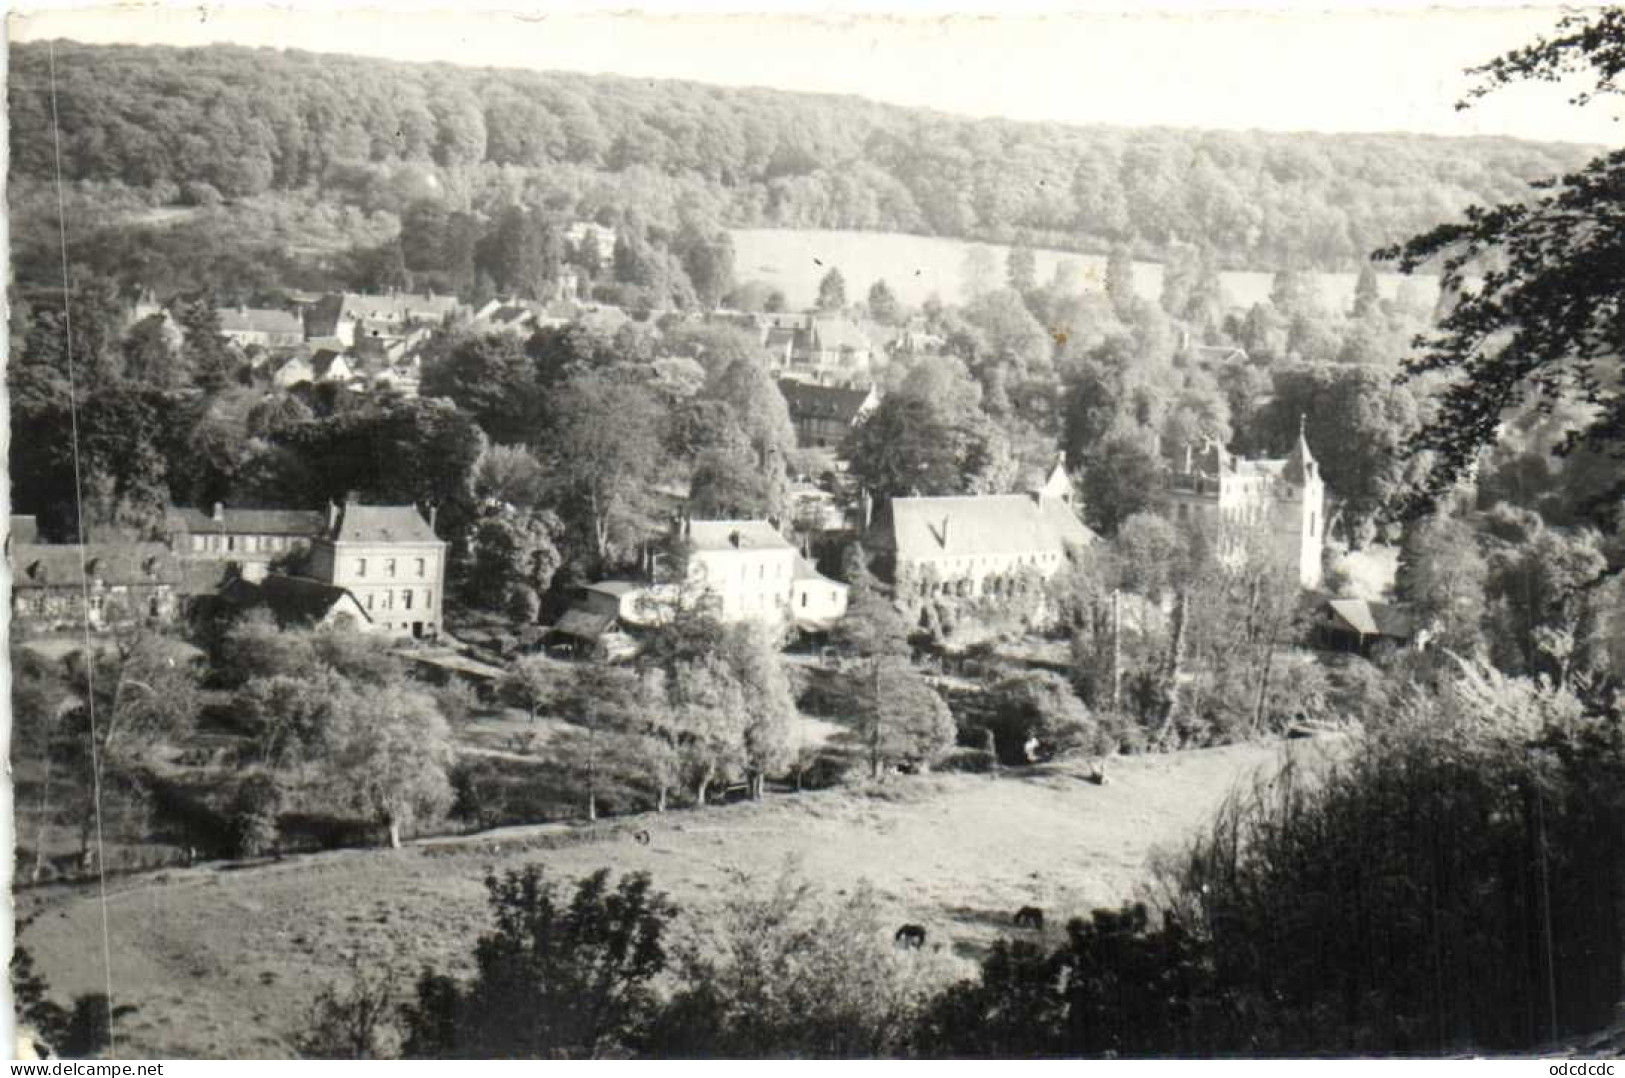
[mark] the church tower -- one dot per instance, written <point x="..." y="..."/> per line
<point x="1300" y="511"/>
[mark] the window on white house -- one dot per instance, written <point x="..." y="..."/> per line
<point x="406" y="599"/>
<point x="361" y="567"/>
<point x="389" y="567"/>
<point x="422" y="567"/>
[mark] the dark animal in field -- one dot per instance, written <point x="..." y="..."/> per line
<point x="911" y="936"/>
<point x="1030" y="917"/>
<point x="641" y="838"/>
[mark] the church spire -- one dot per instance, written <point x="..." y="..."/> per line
<point x="1300" y="463"/>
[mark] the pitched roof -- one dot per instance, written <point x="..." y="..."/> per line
<point x="806" y="570"/>
<point x="246" y="521"/>
<point x="259" y="320"/>
<point x="296" y="365"/>
<point x="205" y="577"/>
<point x="839" y="333"/>
<point x="395" y="307"/>
<point x="324" y="360"/>
<point x="40" y="565"/>
<point x="292" y="599"/>
<point x="1298" y="463"/>
<point x="807" y="400"/>
<point x="1214" y="461"/>
<point x="616" y="588"/>
<point x="1218" y="353"/>
<point x="509" y="314"/>
<point x="1373" y="619"/>
<point x="708" y="535"/>
<point x="382" y="524"/>
<point x="584" y="624"/>
<point x="983" y="524"/>
<point x="450" y="661"/>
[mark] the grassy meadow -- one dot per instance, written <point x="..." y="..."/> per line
<point x="222" y="959"/>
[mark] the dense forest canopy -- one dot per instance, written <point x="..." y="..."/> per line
<point x="223" y="122"/>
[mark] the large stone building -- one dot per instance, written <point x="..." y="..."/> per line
<point x="969" y="546"/>
<point x="825" y="415"/>
<point x="390" y="559"/>
<point x="1282" y="500"/>
<point x="240" y="535"/>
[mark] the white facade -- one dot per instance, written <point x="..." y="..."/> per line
<point x="752" y="573"/>
<point x="389" y="559"/>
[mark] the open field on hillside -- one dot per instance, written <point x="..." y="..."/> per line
<point x="221" y="960"/>
<point x="795" y="260"/>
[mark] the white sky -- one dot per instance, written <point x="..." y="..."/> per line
<point x="1345" y="69"/>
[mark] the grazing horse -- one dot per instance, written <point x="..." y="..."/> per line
<point x="1030" y="917"/>
<point x="912" y="936"/>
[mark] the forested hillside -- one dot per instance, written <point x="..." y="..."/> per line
<point x="194" y="126"/>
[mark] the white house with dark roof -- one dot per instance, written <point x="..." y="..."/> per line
<point x="752" y="573"/>
<point x="390" y="559"/>
<point x="974" y="545"/>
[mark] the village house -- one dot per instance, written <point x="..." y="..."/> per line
<point x="390" y="559"/>
<point x="404" y="377"/>
<point x="814" y="509"/>
<point x="1359" y="626"/>
<point x="65" y="587"/>
<point x="831" y="350"/>
<point x="1284" y="500"/>
<point x="322" y="365"/>
<point x="825" y="415"/>
<point x="970" y="546"/>
<point x="239" y="535"/>
<point x="603" y="237"/>
<point x="915" y="339"/>
<point x="348" y="316"/>
<point x="779" y="345"/>
<point x="264" y="326"/>
<point x="515" y="317"/>
<point x="751" y="572"/>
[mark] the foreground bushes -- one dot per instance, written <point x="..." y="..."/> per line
<point x="1455" y="881"/>
<point x="1452" y="880"/>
